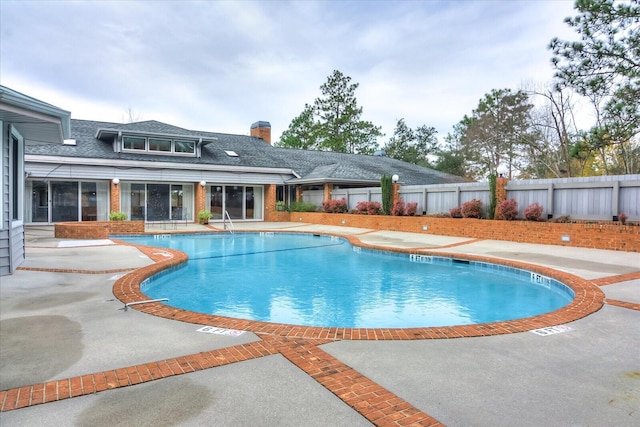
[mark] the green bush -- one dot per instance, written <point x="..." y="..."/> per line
<point x="491" y="209"/>
<point x="117" y="216"/>
<point x="302" y="207"/>
<point x="386" y="184"/>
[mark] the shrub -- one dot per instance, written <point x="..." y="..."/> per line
<point x="440" y="215"/>
<point x="622" y="217"/>
<point x="386" y="184"/>
<point x="471" y="209"/>
<point x="533" y="212"/>
<point x="398" y="207"/>
<point x="411" y="209"/>
<point x="507" y="210"/>
<point x="456" y="212"/>
<point x="491" y="209"/>
<point x="302" y="207"/>
<point x="369" y="208"/>
<point x="562" y="219"/>
<point x="117" y="216"/>
<point x="335" y="206"/>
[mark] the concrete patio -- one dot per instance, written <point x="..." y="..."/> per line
<point x="59" y="319"/>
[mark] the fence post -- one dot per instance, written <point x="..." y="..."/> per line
<point x="550" y="201"/>
<point x="501" y="189"/>
<point x="424" y="201"/>
<point x="615" y="199"/>
<point x="395" y="195"/>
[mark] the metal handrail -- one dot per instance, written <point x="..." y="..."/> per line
<point x="224" y="222"/>
<point x="129" y="304"/>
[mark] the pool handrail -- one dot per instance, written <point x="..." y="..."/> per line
<point x="224" y="222"/>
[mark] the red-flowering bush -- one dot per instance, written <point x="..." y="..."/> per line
<point x="507" y="209"/>
<point x="471" y="209"/>
<point x="335" y="206"/>
<point x="369" y="208"/>
<point x="398" y="207"/>
<point x="533" y="212"/>
<point x="455" y="212"/>
<point x="411" y="209"/>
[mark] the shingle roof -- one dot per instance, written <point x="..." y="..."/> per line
<point x="311" y="166"/>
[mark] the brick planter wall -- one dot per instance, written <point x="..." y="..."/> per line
<point x="96" y="229"/>
<point x="600" y="236"/>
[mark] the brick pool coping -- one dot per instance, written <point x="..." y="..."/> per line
<point x="588" y="299"/>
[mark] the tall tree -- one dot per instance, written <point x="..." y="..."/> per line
<point x="334" y="122"/>
<point x="554" y="121"/>
<point x="450" y="156"/>
<point x="301" y="132"/>
<point x="497" y="131"/>
<point x="604" y="65"/>
<point x="412" y="146"/>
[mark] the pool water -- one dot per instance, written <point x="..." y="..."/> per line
<point x="324" y="281"/>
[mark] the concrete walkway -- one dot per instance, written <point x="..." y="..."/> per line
<point x="59" y="319"/>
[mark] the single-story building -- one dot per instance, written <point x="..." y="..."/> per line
<point x="154" y="171"/>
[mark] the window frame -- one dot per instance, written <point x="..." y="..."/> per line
<point x="151" y="141"/>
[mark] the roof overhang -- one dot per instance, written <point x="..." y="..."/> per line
<point x="36" y="121"/>
<point x="38" y="158"/>
<point x="335" y="181"/>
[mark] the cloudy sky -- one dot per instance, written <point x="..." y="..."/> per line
<point x="220" y="66"/>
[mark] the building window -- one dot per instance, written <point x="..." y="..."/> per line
<point x="67" y="201"/>
<point x="133" y="143"/>
<point x="158" y="145"/>
<point x="184" y="146"/>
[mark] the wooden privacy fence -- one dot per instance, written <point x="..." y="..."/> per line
<point x="589" y="198"/>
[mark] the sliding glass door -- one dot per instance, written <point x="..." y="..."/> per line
<point x="241" y="202"/>
<point x="157" y="202"/>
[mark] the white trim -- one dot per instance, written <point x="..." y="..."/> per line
<point x="36" y="158"/>
<point x="16" y="186"/>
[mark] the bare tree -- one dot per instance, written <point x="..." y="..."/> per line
<point x="131" y="116"/>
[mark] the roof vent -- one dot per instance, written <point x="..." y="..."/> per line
<point x="231" y="153"/>
<point x="380" y="153"/>
<point x="69" y="142"/>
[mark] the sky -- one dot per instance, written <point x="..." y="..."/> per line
<point x="221" y="66"/>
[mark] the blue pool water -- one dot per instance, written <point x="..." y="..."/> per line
<point x="324" y="281"/>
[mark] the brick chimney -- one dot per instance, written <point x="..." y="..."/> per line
<point x="262" y="130"/>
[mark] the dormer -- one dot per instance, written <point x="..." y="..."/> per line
<point x="127" y="140"/>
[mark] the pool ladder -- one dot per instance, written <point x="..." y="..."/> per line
<point x="224" y="222"/>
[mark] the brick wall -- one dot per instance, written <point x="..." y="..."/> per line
<point x="610" y="236"/>
<point x="96" y="229"/>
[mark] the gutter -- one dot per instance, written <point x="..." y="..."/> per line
<point x="38" y="158"/>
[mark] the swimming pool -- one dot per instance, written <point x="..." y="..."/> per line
<point x="324" y="281"/>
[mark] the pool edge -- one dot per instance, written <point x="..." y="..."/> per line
<point x="588" y="299"/>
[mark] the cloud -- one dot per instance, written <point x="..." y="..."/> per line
<point x="220" y="66"/>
